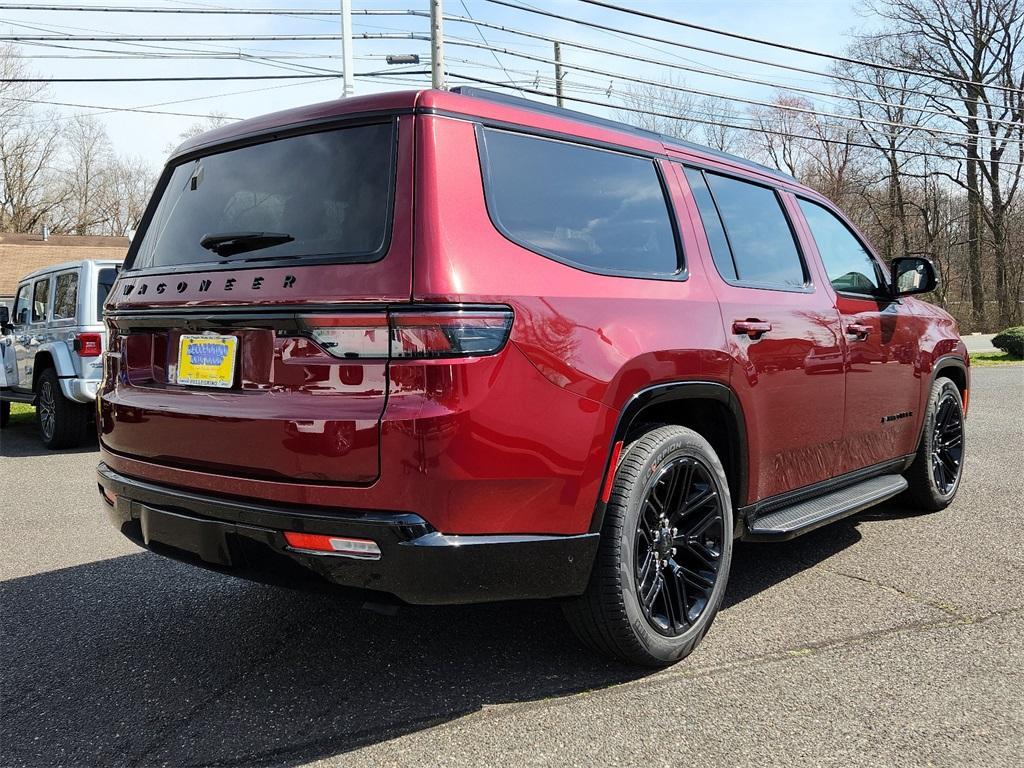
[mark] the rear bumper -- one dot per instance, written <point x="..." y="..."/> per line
<point x="79" y="390"/>
<point x="417" y="564"/>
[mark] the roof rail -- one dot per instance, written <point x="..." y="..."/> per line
<point x="573" y="114"/>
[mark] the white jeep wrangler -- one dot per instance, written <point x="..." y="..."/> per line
<point x="52" y="347"/>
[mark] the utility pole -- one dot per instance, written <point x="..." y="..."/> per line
<point x="347" y="79"/>
<point x="436" y="45"/>
<point x="558" y="74"/>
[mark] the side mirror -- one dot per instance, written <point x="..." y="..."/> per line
<point x="913" y="274"/>
<point x="5" y="315"/>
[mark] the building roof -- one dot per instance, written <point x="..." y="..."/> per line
<point x="22" y="254"/>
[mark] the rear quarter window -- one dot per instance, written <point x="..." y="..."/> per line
<point x="65" y="296"/>
<point x="748" y="231"/>
<point x="598" y="210"/>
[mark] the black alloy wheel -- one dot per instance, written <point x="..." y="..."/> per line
<point x="937" y="470"/>
<point x="678" y="545"/>
<point x="662" y="565"/>
<point x="947" y="443"/>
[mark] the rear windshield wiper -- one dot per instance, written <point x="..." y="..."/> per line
<point x="230" y="243"/>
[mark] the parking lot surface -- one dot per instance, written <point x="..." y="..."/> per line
<point x="889" y="638"/>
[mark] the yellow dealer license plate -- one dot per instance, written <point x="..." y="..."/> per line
<point x="207" y="361"/>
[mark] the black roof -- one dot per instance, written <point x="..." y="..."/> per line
<point x="671" y="141"/>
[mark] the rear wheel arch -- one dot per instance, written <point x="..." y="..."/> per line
<point x="43" y="360"/>
<point x="709" y="408"/>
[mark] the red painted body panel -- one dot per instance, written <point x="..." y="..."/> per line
<point x="516" y="442"/>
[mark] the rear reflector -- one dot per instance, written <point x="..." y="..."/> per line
<point x="333" y="545"/>
<point x="108" y="496"/>
<point x="606" y="492"/>
<point x="419" y="335"/>
<point x="88" y="344"/>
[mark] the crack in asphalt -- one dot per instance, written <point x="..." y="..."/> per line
<point x="913" y="597"/>
<point x="675" y="674"/>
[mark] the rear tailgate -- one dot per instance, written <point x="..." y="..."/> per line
<point x="215" y="360"/>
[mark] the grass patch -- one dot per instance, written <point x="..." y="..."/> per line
<point x="22" y="413"/>
<point x="994" y="358"/>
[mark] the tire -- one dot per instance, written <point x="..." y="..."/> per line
<point x="930" y="487"/>
<point x="5" y="413"/>
<point x="62" y="423"/>
<point x="609" y="617"/>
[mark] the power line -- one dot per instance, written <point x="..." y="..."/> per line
<point x="757" y="102"/>
<point x="265" y="60"/>
<point x="798" y="49"/>
<point x="739" y="78"/>
<point x="150" y="107"/>
<point x="202" y="38"/>
<point x="480" y="32"/>
<point x="710" y="51"/>
<point x="478" y="24"/>
<point x="213" y="10"/>
<point x="184" y="79"/>
<point x="147" y="109"/>
<point x="108" y="109"/>
<point x="716" y="123"/>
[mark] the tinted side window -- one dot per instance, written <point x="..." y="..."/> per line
<point x="850" y="268"/>
<point x="712" y="224"/>
<point x="21" y="305"/>
<point x="763" y="247"/>
<point x="594" y="209"/>
<point x="40" y="297"/>
<point x="65" y="295"/>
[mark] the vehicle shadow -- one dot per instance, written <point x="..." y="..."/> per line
<point x="20" y="439"/>
<point x="139" y="660"/>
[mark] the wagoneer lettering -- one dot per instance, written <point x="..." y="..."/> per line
<point x="450" y="347"/>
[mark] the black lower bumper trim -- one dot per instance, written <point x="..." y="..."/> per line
<point x="418" y="564"/>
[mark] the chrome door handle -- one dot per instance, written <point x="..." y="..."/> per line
<point x="858" y="330"/>
<point x="752" y="327"/>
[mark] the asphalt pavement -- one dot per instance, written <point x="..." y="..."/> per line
<point x="890" y="638"/>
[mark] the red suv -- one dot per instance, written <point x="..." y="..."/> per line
<point x="458" y="347"/>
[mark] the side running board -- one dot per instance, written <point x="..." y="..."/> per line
<point x="790" y="522"/>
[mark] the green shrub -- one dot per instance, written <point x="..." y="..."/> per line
<point x="1011" y="341"/>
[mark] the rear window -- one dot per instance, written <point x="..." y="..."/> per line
<point x="598" y="210"/>
<point x="104" y="282"/>
<point x="323" y="196"/>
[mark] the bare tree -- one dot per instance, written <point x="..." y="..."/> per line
<point x="208" y="123"/>
<point x="886" y="102"/>
<point x="779" y="138"/>
<point x="29" y="188"/>
<point x="664" y="108"/>
<point x="718" y="132"/>
<point x="124" y="195"/>
<point x="973" y="47"/>
<point x="89" y="159"/>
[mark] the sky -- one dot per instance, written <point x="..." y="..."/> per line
<point x="818" y="24"/>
